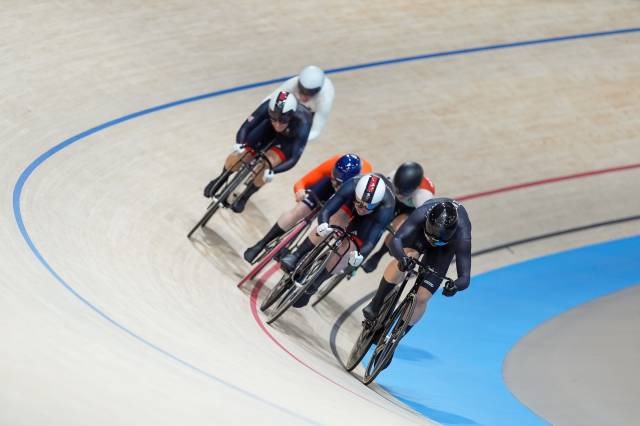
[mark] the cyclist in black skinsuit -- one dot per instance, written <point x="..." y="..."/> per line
<point x="437" y="230"/>
<point x="367" y="204"/>
<point x="280" y="120"/>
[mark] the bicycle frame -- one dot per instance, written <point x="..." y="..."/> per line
<point x="241" y="174"/>
<point x="336" y="280"/>
<point x="333" y="242"/>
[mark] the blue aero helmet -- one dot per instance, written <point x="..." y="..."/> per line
<point x="346" y="167"/>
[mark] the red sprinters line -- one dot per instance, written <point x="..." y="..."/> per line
<point x="546" y="181"/>
<point x="265" y="277"/>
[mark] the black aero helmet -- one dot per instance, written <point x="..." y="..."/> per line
<point x="441" y="223"/>
<point x="408" y="178"/>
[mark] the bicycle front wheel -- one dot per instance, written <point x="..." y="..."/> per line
<point x="390" y="338"/>
<point x="297" y="290"/>
<point x="361" y="347"/>
<point x="276" y="292"/>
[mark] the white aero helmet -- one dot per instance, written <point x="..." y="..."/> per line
<point x="370" y="191"/>
<point x="282" y="106"/>
<point x="310" y="80"/>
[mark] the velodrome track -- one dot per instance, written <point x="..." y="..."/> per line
<point x="110" y="316"/>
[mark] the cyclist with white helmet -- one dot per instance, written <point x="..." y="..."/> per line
<point x="412" y="189"/>
<point x="434" y="233"/>
<point x="315" y="91"/>
<point x="364" y="205"/>
<point x="278" y="121"/>
<point x="315" y="187"/>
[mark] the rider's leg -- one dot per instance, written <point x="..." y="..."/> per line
<point x="422" y="299"/>
<point x="439" y="260"/>
<point x="392" y="276"/>
<point x="293" y="216"/>
<point x="231" y="163"/>
<point x="257" y="183"/>
<point x="290" y="261"/>
<point x="372" y="262"/>
<point x="284" y="223"/>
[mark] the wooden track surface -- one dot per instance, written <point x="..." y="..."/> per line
<point x="150" y="328"/>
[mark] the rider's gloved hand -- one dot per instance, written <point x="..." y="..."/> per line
<point x="406" y="264"/>
<point x="324" y="230"/>
<point x="300" y="195"/>
<point x="355" y="258"/>
<point x="238" y="148"/>
<point x="449" y="289"/>
<point x="267" y="175"/>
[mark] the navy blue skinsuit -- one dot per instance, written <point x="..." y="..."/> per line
<point x="411" y="235"/>
<point x="256" y="132"/>
<point x="368" y="228"/>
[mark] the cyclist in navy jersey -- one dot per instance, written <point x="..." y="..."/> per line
<point x="365" y="206"/>
<point x="437" y="230"/>
<point x="279" y="121"/>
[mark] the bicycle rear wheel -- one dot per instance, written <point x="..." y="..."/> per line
<point x="296" y="291"/>
<point x="389" y="340"/>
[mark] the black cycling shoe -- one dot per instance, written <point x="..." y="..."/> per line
<point x="370" y="312"/>
<point x="289" y="262"/>
<point x="239" y="205"/>
<point x="212" y="187"/>
<point x="280" y="254"/>
<point x="241" y="202"/>
<point x="371" y="264"/>
<point x="252" y="252"/>
<point x="304" y="299"/>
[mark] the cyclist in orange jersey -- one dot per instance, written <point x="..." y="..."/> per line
<point x="316" y="186"/>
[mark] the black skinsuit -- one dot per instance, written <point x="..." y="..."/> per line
<point x="257" y="131"/>
<point x="411" y="235"/>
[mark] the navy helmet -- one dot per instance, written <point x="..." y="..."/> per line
<point x="346" y="167"/>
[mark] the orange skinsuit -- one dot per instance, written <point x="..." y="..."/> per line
<point x="323" y="171"/>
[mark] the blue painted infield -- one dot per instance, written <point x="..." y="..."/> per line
<point x="450" y="366"/>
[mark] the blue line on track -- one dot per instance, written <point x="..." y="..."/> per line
<point x="24" y="176"/>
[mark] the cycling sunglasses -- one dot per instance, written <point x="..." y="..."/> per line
<point x="279" y="117"/>
<point x="363" y="205"/>
<point x="307" y="92"/>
